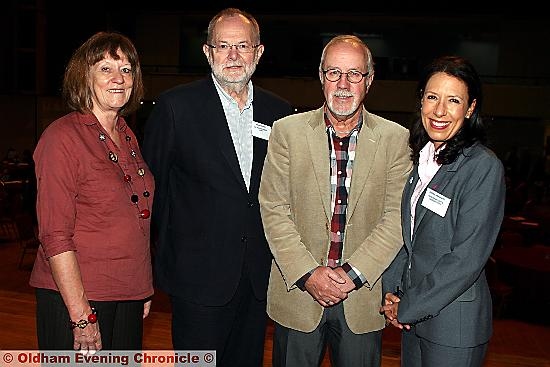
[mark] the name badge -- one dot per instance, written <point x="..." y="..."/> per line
<point x="260" y="130"/>
<point x="436" y="202"/>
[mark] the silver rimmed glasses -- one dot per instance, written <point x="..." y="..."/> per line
<point x="224" y="48"/>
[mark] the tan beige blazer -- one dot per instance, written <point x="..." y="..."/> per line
<point x="296" y="210"/>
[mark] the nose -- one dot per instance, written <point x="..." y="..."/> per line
<point x="343" y="82"/>
<point x="118" y="77"/>
<point x="233" y="54"/>
<point x="440" y="108"/>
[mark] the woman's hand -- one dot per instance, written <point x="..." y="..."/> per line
<point x="390" y="308"/>
<point x="146" y="308"/>
<point x="88" y="339"/>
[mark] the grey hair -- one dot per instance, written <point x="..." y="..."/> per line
<point x="349" y="39"/>
<point x="233" y="12"/>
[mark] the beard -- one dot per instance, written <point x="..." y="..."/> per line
<point x="233" y="81"/>
<point x="342" y="108"/>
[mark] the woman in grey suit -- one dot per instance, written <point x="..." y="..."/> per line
<point x="452" y="209"/>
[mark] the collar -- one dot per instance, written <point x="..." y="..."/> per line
<point x="228" y="99"/>
<point x="330" y="128"/>
<point x="427" y="165"/>
<point x="90" y="119"/>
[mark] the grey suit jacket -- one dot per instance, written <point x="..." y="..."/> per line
<point x="296" y="212"/>
<point x="440" y="269"/>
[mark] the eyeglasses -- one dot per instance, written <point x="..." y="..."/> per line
<point x="353" y="76"/>
<point x="242" y="48"/>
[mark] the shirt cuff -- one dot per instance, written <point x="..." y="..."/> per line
<point x="355" y="275"/>
<point x="301" y="283"/>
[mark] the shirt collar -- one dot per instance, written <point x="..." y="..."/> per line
<point x="330" y="128"/>
<point x="91" y="119"/>
<point x="427" y="163"/>
<point x="228" y="99"/>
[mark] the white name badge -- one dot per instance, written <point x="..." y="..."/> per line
<point x="436" y="202"/>
<point x="260" y="130"/>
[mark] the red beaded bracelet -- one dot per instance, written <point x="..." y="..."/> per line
<point x="92" y="319"/>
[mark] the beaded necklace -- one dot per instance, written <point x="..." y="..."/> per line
<point x="140" y="171"/>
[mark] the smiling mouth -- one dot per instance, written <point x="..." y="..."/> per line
<point x="439" y="125"/>
<point x="115" y="90"/>
<point x="342" y="94"/>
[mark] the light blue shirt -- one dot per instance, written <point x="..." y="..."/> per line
<point x="240" y="127"/>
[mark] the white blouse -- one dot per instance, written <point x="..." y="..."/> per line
<point x="427" y="168"/>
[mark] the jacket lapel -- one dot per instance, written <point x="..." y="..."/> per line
<point x="222" y="135"/>
<point x="317" y="143"/>
<point x="438" y="183"/>
<point x="263" y="114"/>
<point x="406" y="207"/>
<point x="367" y="144"/>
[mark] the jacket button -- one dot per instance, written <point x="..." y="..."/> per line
<point x="250" y="204"/>
<point x="244" y="239"/>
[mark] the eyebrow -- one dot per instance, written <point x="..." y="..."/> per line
<point x="236" y="43"/>
<point x="450" y="96"/>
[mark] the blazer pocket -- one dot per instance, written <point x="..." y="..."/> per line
<point x="469" y="295"/>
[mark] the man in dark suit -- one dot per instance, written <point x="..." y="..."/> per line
<point x="205" y="143"/>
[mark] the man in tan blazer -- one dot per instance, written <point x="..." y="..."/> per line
<point x="330" y="198"/>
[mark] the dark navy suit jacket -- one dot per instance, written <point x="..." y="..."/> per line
<point x="208" y="223"/>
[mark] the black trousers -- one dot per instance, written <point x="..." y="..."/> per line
<point x="120" y="323"/>
<point x="236" y="330"/>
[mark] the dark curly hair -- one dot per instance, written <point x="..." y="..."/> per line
<point x="473" y="129"/>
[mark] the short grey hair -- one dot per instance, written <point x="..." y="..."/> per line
<point x="234" y="12"/>
<point x="349" y="39"/>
